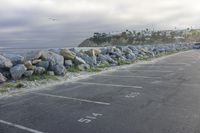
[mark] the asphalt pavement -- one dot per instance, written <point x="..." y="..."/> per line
<point x="161" y="97"/>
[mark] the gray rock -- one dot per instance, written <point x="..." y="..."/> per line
<point x="33" y="55"/>
<point x="131" y="56"/>
<point x="106" y="58"/>
<point x="55" y="50"/>
<point x="39" y="70"/>
<point x="28" y="73"/>
<point x="89" y="60"/>
<point x="83" y="67"/>
<point x="104" y="50"/>
<point x="7" y="74"/>
<point x="59" y="70"/>
<point x="17" y="71"/>
<point x="127" y="50"/>
<point x="74" y="50"/>
<point x="34" y="62"/>
<point x="53" y="58"/>
<point x="5" y="62"/>
<point x="44" y="64"/>
<point x="29" y="65"/>
<point x="93" y="52"/>
<point x="68" y="63"/>
<point x="79" y="61"/>
<point x="15" y="59"/>
<point x="67" y="54"/>
<point x="2" y="78"/>
<point x="51" y="73"/>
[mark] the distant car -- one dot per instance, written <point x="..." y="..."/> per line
<point x="196" y="46"/>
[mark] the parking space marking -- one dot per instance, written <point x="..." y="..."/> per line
<point x="149" y="71"/>
<point x="153" y="65"/>
<point x="130" y="76"/>
<point x="87" y="119"/>
<point x="173" y="64"/>
<point x="20" y="127"/>
<point x="114" y="85"/>
<point x="132" y="95"/>
<point x="71" y="98"/>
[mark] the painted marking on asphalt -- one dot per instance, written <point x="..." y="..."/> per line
<point x="90" y="118"/>
<point x="181" y="69"/>
<point x="150" y="66"/>
<point x="173" y="64"/>
<point x="130" y="76"/>
<point x="114" y="85"/>
<point x="132" y="95"/>
<point x="194" y="62"/>
<point x="149" y="71"/>
<point x="156" y="82"/>
<point x="20" y="127"/>
<point x="71" y="98"/>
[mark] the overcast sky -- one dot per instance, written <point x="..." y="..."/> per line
<point x="30" y="23"/>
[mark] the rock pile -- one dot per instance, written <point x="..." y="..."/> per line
<point x="57" y="61"/>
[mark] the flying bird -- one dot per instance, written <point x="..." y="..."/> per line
<point x="53" y="19"/>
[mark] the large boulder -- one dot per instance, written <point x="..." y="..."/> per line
<point x="28" y="73"/>
<point x="17" y="71"/>
<point x="6" y="74"/>
<point x="78" y="61"/>
<point x="104" y="50"/>
<point x="15" y="59"/>
<point x="93" y="52"/>
<point x="33" y="55"/>
<point x="106" y="58"/>
<point x="34" y="62"/>
<point x="44" y="64"/>
<point x="29" y="65"/>
<point x="51" y="73"/>
<point x="59" y="70"/>
<point x="75" y="50"/>
<point x="89" y="60"/>
<point x="67" y="54"/>
<point x="131" y="56"/>
<point x="83" y="67"/>
<point x="68" y="63"/>
<point x="39" y="70"/>
<point x="55" y="50"/>
<point x="2" y="78"/>
<point x="53" y="59"/>
<point x="127" y="50"/>
<point x="5" y="62"/>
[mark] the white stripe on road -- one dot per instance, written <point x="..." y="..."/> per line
<point x="148" y="71"/>
<point x="20" y="127"/>
<point x="102" y="84"/>
<point x="71" y="98"/>
<point x="130" y="76"/>
<point x="172" y="64"/>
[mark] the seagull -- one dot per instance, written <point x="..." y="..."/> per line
<point x="53" y="19"/>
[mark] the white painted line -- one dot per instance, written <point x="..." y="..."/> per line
<point x="149" y="71"/>
<point x="156" y="82"/>
<point x="132" y="95"/>
<point x="150" y="66"/>
<point x="20" y="127"/>
<point x="181" y="69"/>
<point x="130" y="76"/>
<point x="102" y="84"/>
<point x="71" y="98"/>
<point x="173" y="64"/>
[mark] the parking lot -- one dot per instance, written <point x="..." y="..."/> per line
<point x="160" y="97"/>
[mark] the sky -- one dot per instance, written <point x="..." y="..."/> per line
<point x="66" y="23"/>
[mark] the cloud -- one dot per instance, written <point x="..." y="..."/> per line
<point x="78" y="19"/>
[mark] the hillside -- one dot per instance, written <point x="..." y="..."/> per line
<point x="142" y="37"/>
